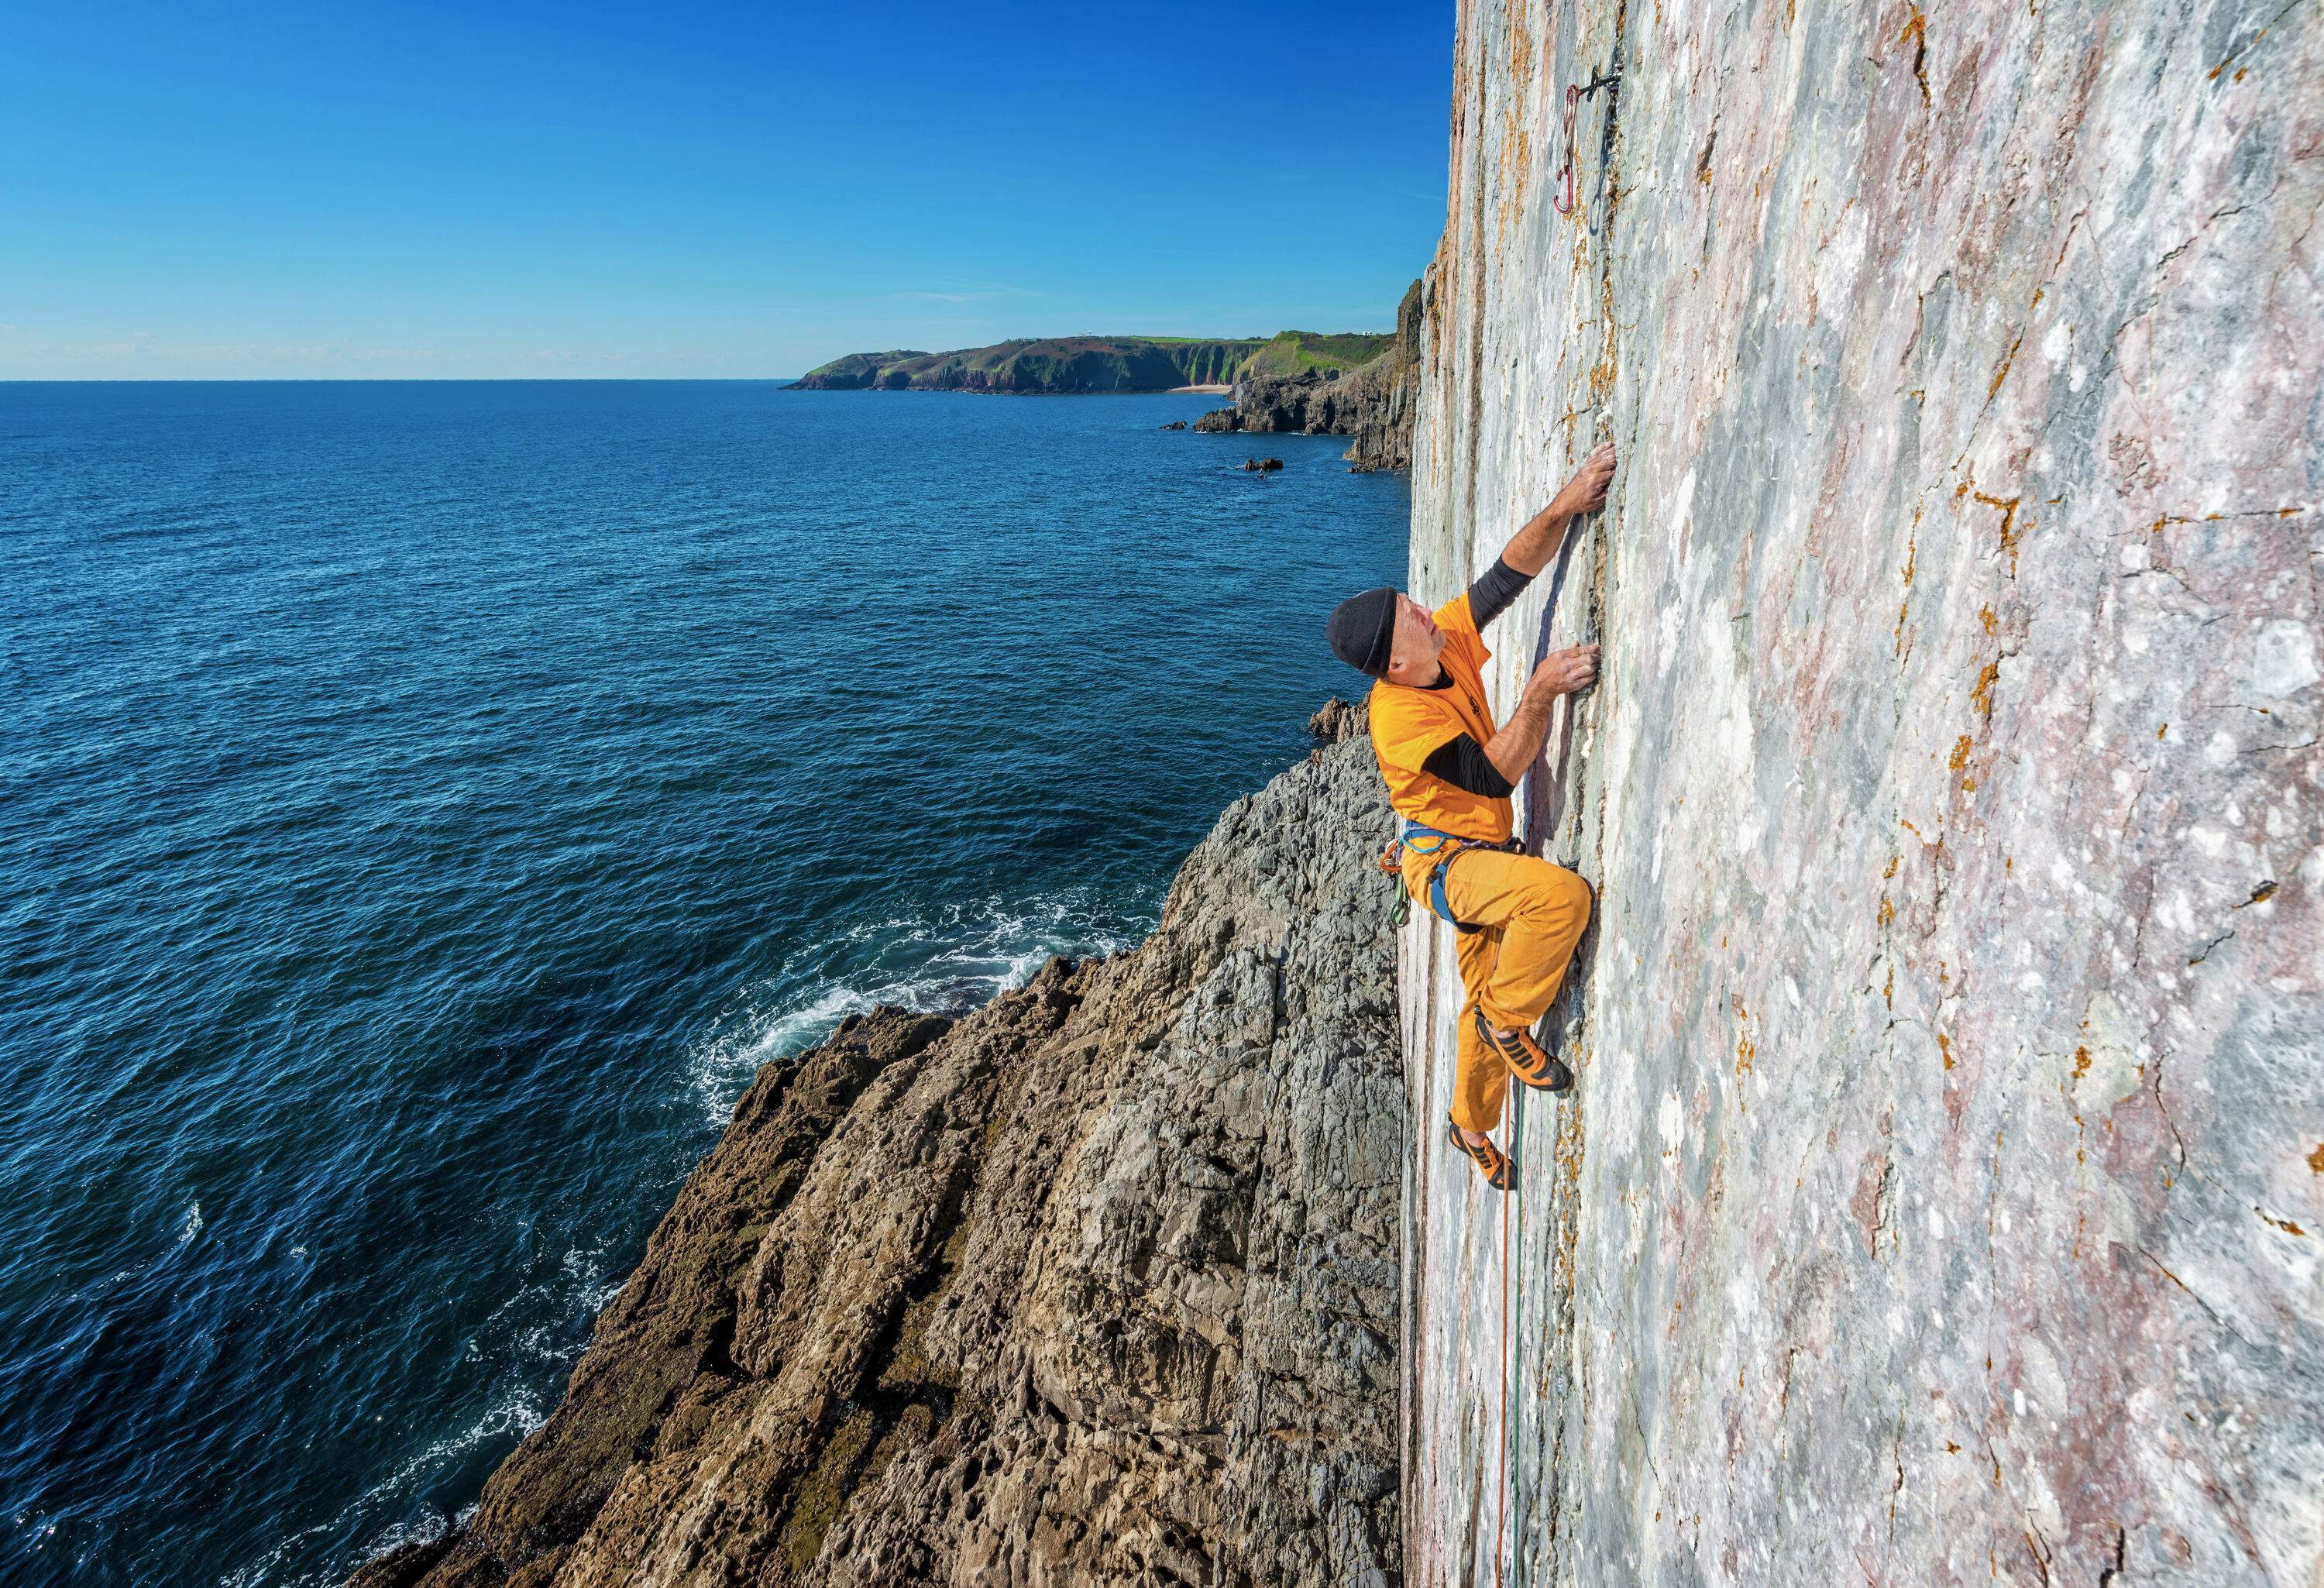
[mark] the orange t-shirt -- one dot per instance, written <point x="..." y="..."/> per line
<point x="1410" y="724"/>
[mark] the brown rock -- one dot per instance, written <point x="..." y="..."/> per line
<point x="1335" y="720"/>
<point x="1097" y="1285"/>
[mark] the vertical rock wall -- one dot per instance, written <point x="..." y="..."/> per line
<point x="1942" y="1196"/>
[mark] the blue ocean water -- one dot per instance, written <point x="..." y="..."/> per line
<point x="423" y="806"/>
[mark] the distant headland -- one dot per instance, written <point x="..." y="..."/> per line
<point x="1355" y="384"/>
<point x="1093" y="364"/>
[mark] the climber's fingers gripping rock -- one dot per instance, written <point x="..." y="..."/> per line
<point x="1586" y="491"/>
<point x="1562" y="672"/>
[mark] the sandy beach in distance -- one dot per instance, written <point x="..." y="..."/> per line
<point x="1213" y="390"/>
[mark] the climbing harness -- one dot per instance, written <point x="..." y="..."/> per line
<point x="1574" y="95"/>
<point x="1430" y="841"/>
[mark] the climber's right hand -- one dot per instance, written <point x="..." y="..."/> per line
<point x="1562" y="672"/>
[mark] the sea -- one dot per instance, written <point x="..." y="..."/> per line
<point x="424" y="806"/>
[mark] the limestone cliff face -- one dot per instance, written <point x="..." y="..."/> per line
<point x="1098" y="1285"/>
<point x="1942" y="1196"/>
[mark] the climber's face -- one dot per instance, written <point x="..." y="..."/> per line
<point x="1412" y="657"/>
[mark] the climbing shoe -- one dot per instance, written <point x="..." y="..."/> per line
<point x="1543" y="1071"/>
<point x="1491" y="1162"/>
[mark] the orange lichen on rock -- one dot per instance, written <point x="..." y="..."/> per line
<point x="2008" y="507"/>
<point x="1983" y="694"/>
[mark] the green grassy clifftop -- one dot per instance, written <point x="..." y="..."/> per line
<point x="1295" y="353"/>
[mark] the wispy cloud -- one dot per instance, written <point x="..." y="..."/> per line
<point x="968" y="292"/>
<point x="570" y="355"/>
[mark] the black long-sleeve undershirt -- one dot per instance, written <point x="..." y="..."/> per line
<point x="1491" y="592"/>
<point x="1461" y="761"/>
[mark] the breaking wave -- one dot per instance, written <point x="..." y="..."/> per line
<point x="946" y="960"/>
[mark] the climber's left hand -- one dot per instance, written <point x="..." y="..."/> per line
<point x="1586" y="491"/>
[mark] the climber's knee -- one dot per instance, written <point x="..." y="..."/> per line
<point x="1576" y="895"/>
<point x="1560" y="898"/>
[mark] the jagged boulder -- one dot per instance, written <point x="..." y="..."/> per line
<point x="1335" y="720"/>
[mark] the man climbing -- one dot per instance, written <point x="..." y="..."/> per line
<point x="1450" y="774"/>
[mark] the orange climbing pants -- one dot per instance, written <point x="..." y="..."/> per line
<point x="1533" y="914"/>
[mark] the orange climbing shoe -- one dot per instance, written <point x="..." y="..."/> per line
<point x="1543" y="1071"/>
<point x="1491" y="1162"/>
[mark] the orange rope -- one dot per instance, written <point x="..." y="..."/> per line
<point x="1502" y="1531"/>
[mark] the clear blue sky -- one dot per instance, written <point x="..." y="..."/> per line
<point x="566" y="189"/>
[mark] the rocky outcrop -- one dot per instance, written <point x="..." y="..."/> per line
<point x="1372" y="402"/>
<point x="1941" y="1198"/>
<point x="1335" y="720"/>
<point x="1097" y="1285"/>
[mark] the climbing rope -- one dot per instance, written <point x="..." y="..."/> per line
<point x="1517" y="1142"/>
<point x="1501" y="1528"/>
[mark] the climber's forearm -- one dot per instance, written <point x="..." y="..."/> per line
<point x="1518" y="743"/>
<point x="1516" y="746"/>
<point x="1530" y="550"/>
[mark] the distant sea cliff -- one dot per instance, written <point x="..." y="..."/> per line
<point x="1361" y="384"/>
<point x="1312" y="386"/>
<point x="1043" y="365"/>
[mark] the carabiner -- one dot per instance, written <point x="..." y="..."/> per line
<point x="1563" y="198"/>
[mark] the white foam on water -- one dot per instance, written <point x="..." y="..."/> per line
<point x="193" y="1225"/>
<point x="950" y="958"/>
<point x="513" y="1413"/>
<point x="580" y="1286"/>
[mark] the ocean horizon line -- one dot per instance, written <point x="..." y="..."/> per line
<point x="394" y="380"/>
